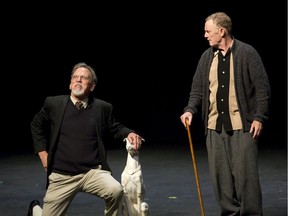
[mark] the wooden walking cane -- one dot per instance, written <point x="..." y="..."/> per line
<point x="195" y="167"/>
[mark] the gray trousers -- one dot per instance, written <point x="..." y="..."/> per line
<point x="233" y="163"/>
<point x="63" y="188"/>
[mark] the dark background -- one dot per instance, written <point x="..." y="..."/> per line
<point x="145" y="56"/>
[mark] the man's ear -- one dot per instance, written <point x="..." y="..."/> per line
<point x="92" y="87"/>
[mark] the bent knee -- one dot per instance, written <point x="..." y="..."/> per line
<point x="116" y="190"/>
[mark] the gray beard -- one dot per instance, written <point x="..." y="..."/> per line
<point x="78" y="93"/>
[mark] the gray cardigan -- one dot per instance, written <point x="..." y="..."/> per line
<point x="251" y="85"/>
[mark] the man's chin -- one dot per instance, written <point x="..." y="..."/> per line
<point x="78" y="94"/>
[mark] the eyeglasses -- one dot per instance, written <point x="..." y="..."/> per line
<point x="75" y="77"/>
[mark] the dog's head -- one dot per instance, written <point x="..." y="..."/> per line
<point x="130" y="148"/>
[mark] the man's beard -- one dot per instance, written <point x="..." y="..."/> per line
<point x="78" y="91"/>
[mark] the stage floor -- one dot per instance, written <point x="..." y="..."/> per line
<point x="169" y="179"/>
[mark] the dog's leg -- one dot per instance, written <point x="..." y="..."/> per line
<point x="144" y="209"/>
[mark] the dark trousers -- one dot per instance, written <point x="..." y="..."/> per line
<point x="233" y="163"/>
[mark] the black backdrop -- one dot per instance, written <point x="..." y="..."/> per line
<point x="144" y="55"/>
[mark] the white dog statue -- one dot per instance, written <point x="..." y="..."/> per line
<point x="132" y="181"/>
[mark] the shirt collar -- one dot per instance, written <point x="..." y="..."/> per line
<point x="85" y="101"/>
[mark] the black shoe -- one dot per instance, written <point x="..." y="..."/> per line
<point x="31" y="206"/>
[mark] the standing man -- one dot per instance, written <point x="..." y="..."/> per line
<point x="232" y="87"/>
<point x="68" y="134"/>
